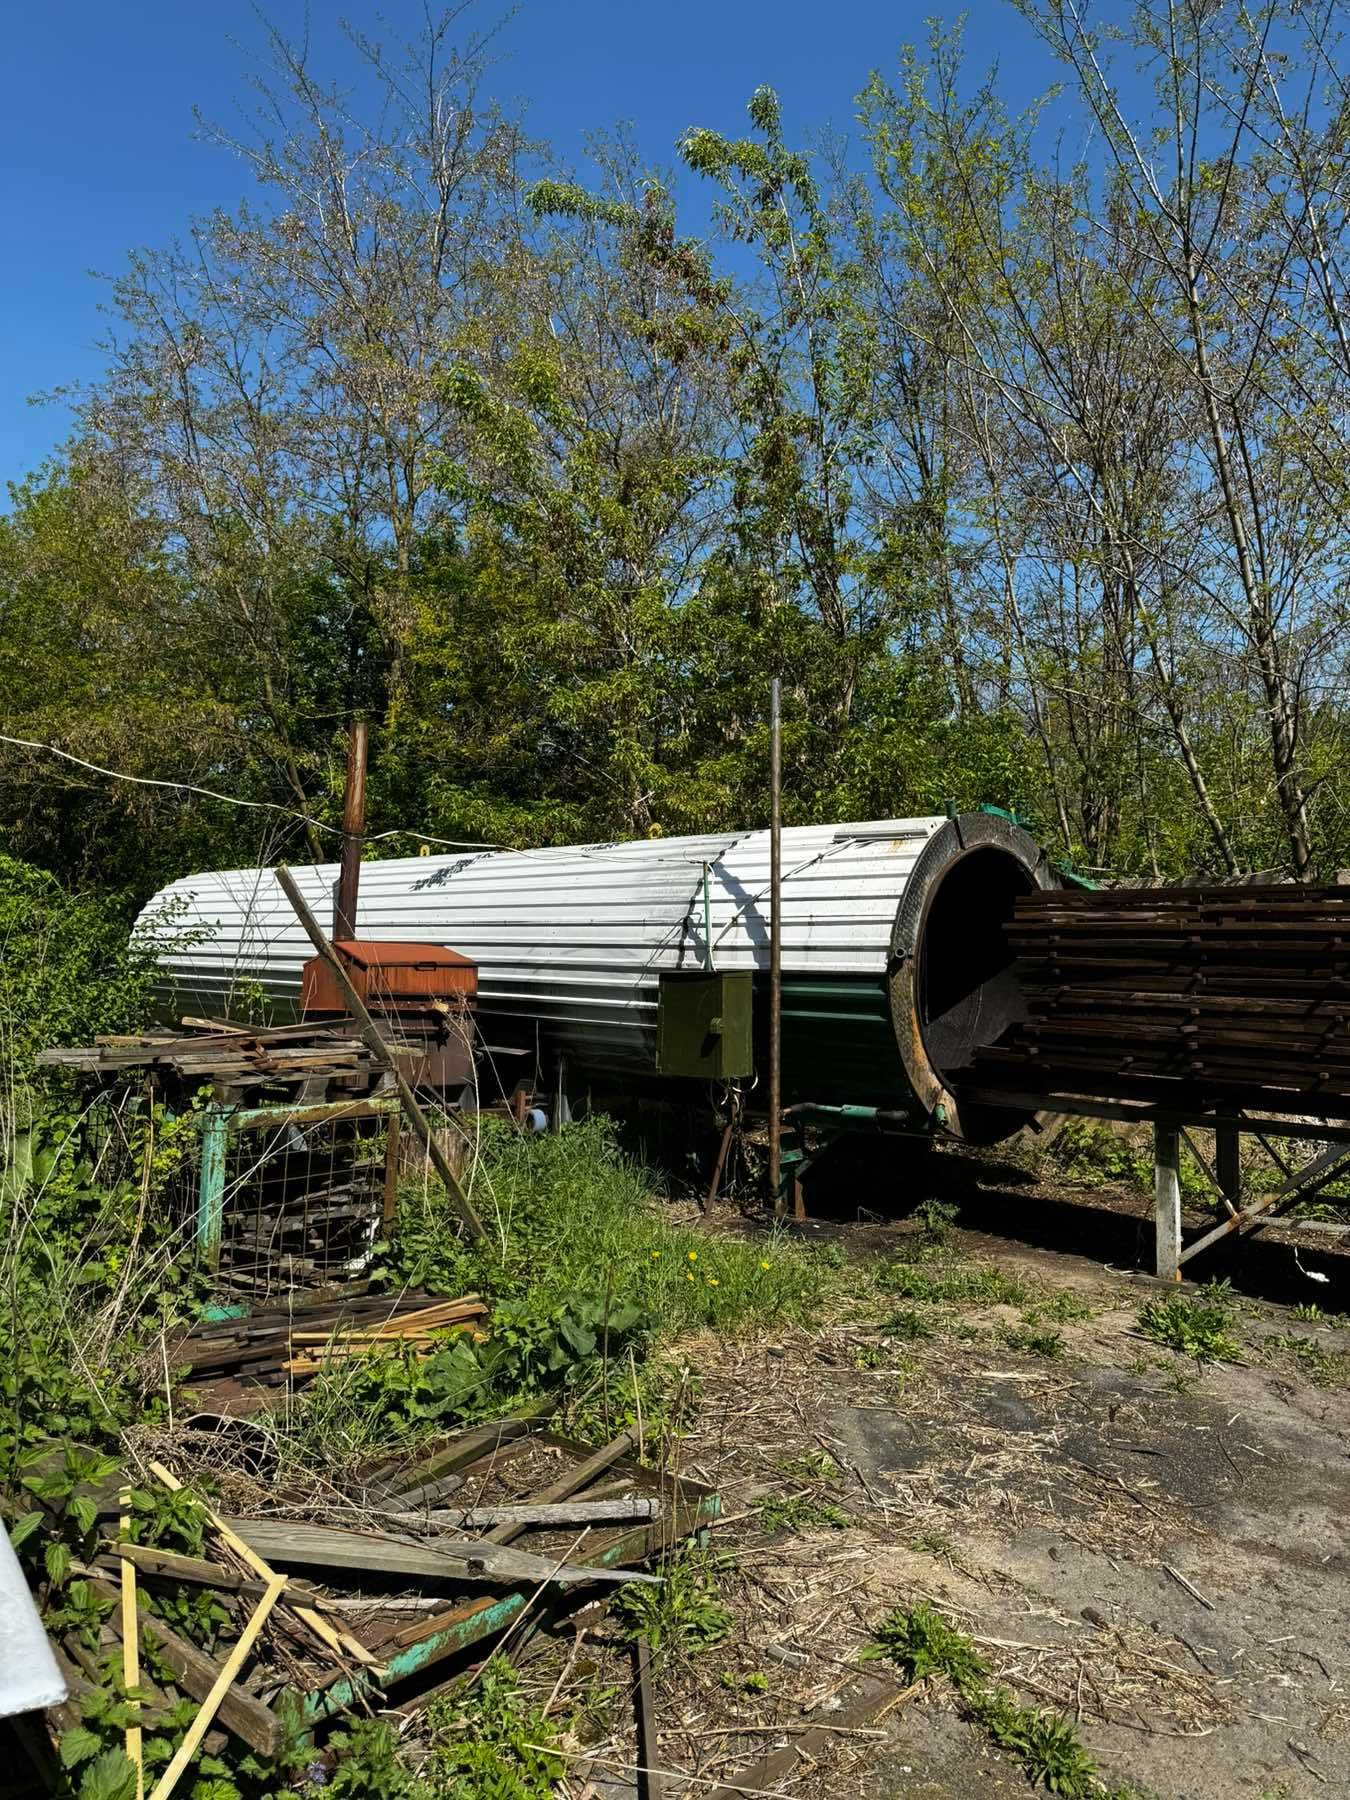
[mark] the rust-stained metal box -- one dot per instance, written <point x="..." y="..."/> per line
<point x="391" y="977"/>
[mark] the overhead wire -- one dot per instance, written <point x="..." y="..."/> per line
<point x="272" y="806"/>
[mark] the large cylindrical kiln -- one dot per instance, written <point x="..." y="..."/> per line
<point x="895" y="963"/>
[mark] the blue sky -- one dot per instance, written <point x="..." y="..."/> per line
<point x="97" y="150"/>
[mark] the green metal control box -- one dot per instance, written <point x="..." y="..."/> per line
<point x="704" y="1024"/>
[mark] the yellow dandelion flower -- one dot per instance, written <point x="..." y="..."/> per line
<point x="712" y="1281"/>
<point x="693" y="1256"/>
<point x="656" y="1253"/>
<point x="689" y="1278"/>
<point x="764" y="1265"/>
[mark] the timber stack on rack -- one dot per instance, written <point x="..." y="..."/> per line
<point x="1194" y="1000"/>
<point x="311" y="1061"/>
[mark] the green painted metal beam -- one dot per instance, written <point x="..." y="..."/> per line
<point x="211" y="1184"/>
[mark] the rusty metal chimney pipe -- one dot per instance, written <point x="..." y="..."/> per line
<point x="353" y="831"/>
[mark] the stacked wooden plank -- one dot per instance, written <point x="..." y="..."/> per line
<point x="227" y="1054"/>
<point x="1198" y="999"/>
<point x="270" y="1347"/>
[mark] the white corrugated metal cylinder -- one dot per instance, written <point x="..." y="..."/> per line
<point x="570" y="941"/>
<point x="578" y="936"/>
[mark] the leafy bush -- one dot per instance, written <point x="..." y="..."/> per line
<point x="94" y="1260"/>
<point x="68" y="971"/>
<point x="488" y="1744"/>
<point x="799" y="1512"/>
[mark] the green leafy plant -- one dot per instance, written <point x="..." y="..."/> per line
<point x="907" y="1325"/>
<point x="1034" y="1340"/>
<point x="1047" y="1745"/>
<point x="799" y="1512"/>
<point x="1064" y="1307"/>
<point x="487" y="1743"/>
<point x="681" y="1615"/>
<point x="1192" y="1327"/>
<point x="811" y="1465"/>
<point x="921" y="1643"/>
<point x="369" y="1766"/>
<point x="976" y="1285"/>
<point x="1324" y="1367"/>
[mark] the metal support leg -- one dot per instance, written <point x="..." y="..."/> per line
<point x="211" y="1184"/>
<point x="1228" y="1167"/>
<point x="1167" y="1201"/>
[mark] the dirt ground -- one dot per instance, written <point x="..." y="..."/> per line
<point x="1153" y="1549"/>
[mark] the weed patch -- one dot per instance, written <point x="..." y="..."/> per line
<point x="811" y="1465"/>
<point x="1046" y="1745"/>
<point x="585" y="1273"/>
<point x="976" y="1285"/>
<point x="799" y="1513"/>
<point x="1324" y="1367"/>
<point x="1064" y="1307"/>
<point x="685" y="1613"/>
<point x="923" y="1644"/>
<point x="1033" y="1340"/>
<point x="907" y="1325"/>
<point x="1192" y="1327"/>
<point x="487" y="1741"/>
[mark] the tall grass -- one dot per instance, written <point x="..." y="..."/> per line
<point x="572" y="1214"/>
<point x="588" y="1277"/>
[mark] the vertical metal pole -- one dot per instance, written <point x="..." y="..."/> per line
<point x="353" y="828"/>
<point x="211" y="1184"/>
<point x="1167" y="1201"/>
<point x="707" y="917"/>
<point x="776" y="945"/>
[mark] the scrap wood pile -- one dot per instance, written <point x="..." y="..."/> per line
<point x="232" y="1057"/>
<point x="1194" y="998"/>
<point x="414" y="1565"/>
<point x="270" y="1347"/>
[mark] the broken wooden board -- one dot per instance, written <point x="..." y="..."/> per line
<point x="294" y="1543"/>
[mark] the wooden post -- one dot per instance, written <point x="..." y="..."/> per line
<point x="1228" y="1165"/>
<point x="650" y="1777"/>
<point x="353" y="828"/>
<point x="776" y="945"/>
<point x="383" y="1054"/>
<point x="719" y="1165"/>
<point x="131" y="1647"/>
<point x="391" y="1171"/>
<point x="1167" y="1201"/>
